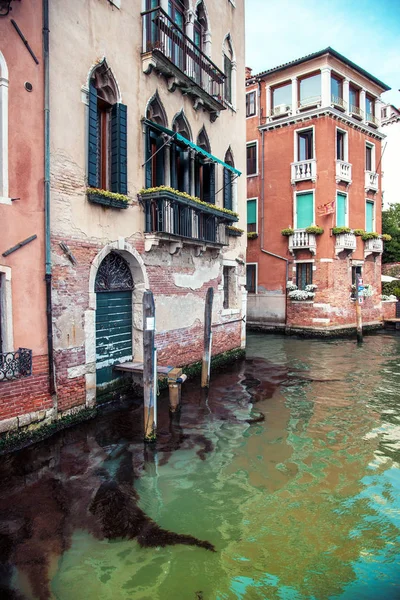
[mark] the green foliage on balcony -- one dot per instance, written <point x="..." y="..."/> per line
<point x="164" y="188"/>
<point x="359" y="232"/>
<point x="339" y="230"/>
<point x="370" y="235"/>
<point x="288" y="231"/>
<point x="315" y="229"/>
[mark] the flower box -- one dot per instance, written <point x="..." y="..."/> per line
<point x="108" y="199"/>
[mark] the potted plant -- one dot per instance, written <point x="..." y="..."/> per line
<point x="107" y="198"/>
<point x="340" y="230"/>
<point x="358" y="232"/>
<point x="301" y="295"/>
<point x="386" y="237"/>
<point x="288" y="231"/>
<point x="370" y="235"/>
<point x="252" y="235"/>
<point x="234" y="231"/>
<point x="315" y="229"/>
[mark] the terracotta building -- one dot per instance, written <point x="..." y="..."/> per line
<point x="313" y="193"/>
<point x="25" y="387"/>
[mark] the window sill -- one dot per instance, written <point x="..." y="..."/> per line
<point x="253" y="175"/>
<point x="228" y="312"/>
<point x="4" y="200"/>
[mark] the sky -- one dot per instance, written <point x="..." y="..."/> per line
<point x="364" y="31"/>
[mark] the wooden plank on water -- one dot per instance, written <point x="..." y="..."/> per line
<point x="137" y="367"/>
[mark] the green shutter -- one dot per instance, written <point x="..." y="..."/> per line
<point x="209" y="183"/>
<point x="93" y="139"/>
<point x="341" y="210"/>
<point x="369" y="216"/>
<point x="119" y="178"/>
<point x="251" y="212"/>
<point x="160" y="177"/>
<point x="147" y="156"/>
<point x="227" y="189"/>
<point x="304" y="210"/>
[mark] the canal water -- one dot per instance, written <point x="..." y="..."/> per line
<point x="282" y="483"/>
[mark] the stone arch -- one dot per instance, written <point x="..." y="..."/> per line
<point x="203" y="140"/>
<point x="201" y="16"/>
<point x="181" y="125"/>
<point x="229" y="68"/>
<point x="229" y="157"/>
<point x="155" y="111"/>
<point x="141" y="284"/>
<point x="105" y="83"/>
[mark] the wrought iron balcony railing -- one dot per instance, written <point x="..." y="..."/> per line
<point x="172" y="216"/>
<point x="14" y="365"/>
<point x="309" y="102"/>
<point x="372" y="120"/>
<point x="356" y="111"/>
<point x="177" y="56"/>
<point x="338" y="102"/>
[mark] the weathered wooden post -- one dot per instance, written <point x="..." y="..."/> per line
<point x="206" y="364"/>
<point x="175" y="380"/>
<point x="359" y="300"/>
<point x="149" y="368"/>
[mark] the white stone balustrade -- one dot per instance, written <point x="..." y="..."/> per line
<point x="343" y="171"/>
<point x="374" y="246"/>
<point x="301" y="240"/>
<point x="371" y="181"/>
<point x="345" y="241"/>
<point x="304" y="169"/>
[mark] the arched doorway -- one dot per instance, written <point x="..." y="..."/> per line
<point x="114" y="316"/>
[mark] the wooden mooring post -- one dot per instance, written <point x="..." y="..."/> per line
<point x="359" y="300"/>
<point x="149" y="369"/>
<point x="206" y="364"/>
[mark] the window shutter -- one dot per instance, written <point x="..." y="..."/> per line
<point x="305" y="210"/>
<point x="212" y="183"/>
<point x="174" y="178"/>
<point x="119" y="176"/>
<point x="227" y="189"/>
<point x="147" y="165"/>
<point x="160" y="175"/>
<point x="93" y="139"/>
<point x="251" y="212"/>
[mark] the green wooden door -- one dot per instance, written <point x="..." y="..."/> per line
<point x="113" y="333"/>
<point x="304" y="210"/>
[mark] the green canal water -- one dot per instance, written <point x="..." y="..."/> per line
<point x="304" y="504"/>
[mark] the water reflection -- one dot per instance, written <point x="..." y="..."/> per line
<point x="288" y="467"/>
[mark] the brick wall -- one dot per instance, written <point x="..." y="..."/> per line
<point x="28" y="394"/>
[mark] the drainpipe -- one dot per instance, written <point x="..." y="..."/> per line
<point x="47" y="192"/>
<point x="262" y="222"/>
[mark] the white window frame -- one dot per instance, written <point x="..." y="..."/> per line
<point x="373" y="214"/>
<point x="4" y="192"/>
<point x="256" y="103"/>
<point x="346" y="144"/>
<point x="373" y="159"/>
<point x="347" y="207"/>
<point x="256" y="280"/>
<point x="296" y="145"/>
<point x="299" y="193"/>
<point x="256" y="199"/>
<point x="249" y="143"/>
<point x="6" y="310"/>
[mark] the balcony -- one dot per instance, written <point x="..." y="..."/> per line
<point x="178" y="220"/>
<point x="345" y="241"/>
<point x="371" y="181"/>
<point x="311" y="102"/>
<point x="343" y="171"/>
<point x="372" y="120"/>
<point x="356" y="112"/>
<point x="303" y="170"/>
<point x="14" y="365"/>
<point x="374" y="246"/>
<point x="338" y="102"/>
<point x="301" y="240"/>
<point x="169" y="51"/>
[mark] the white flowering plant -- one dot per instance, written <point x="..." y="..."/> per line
<point x="390" y="298"/>
<point x="311" y="287"/>
<point x="301" y="295"/>
<point x="290" y="286"/>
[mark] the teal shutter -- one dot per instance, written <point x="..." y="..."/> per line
<point x="147" y="156"/>
<point x="341" y="210"/>
<point x="174" y="176"/>
<point x="369" y="216"/>
<point x="227" y="189"/>
<point x="93" y="140"/>
<point x="304" y="210"/>
<point x="119" y="176"/>
<point x="251" y="212"/>
<point x="160" y="176"/>
<point x="209" y="183"/>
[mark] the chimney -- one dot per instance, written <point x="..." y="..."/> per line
<point x="248" y="72"/>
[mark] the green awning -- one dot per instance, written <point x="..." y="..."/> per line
<point x="186" y="142"/>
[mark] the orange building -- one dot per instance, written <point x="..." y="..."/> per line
<point x="313" y="193"/>
<point x="24" y="375"/>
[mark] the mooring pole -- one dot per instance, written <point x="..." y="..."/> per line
<point x="359" y="300"/>
<point x="206" y="364"/>
<point x="149" y="374"/>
